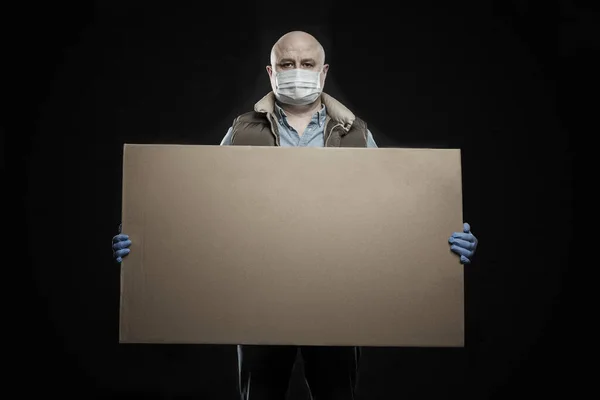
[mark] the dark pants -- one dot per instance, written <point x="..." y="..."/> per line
<point x="330" y="372"/>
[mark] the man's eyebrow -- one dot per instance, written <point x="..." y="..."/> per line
<point x="285" y="60"/>
<point x="304" y="60"/>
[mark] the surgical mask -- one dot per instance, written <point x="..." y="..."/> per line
<point x="297" y="86"/>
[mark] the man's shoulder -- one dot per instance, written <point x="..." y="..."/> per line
<point x="359" y="123"/>
<point x="250" y="116"/>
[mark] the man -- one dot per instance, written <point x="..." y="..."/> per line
<point x="298" y="113"/>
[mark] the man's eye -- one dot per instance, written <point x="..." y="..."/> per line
<point x="308" y="65"/>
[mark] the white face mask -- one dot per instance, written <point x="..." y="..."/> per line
<point x="297" y="86"/>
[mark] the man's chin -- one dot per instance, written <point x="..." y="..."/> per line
<point x="282" y="100"/>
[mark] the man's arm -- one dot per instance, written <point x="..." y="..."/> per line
<point x="227" y="139"/>
<point x="370" y="140"/>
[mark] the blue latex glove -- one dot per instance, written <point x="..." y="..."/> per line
<point x="464" y="244"/>
<point x="120" y="246"/>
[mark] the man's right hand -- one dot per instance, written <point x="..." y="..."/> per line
<point x="120" y="246"/>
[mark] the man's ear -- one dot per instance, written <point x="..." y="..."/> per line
<point x="269" y="71"/>
<point x="325" y="68"/>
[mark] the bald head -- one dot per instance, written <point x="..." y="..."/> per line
<point x="297" y="45"/>
<point x="300" y="51"/>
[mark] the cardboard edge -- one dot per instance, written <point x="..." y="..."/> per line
<point x="123" y="331"/>
<point x="462" y="218"/>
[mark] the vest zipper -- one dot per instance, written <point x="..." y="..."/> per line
<point x="276" y="135"/>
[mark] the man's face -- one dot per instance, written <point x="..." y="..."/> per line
<point x="297" y="54"/>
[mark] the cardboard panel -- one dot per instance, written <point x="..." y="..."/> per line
<point x="304" y="246"/>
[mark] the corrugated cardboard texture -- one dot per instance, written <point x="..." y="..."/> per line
<point x="304" y="246"/>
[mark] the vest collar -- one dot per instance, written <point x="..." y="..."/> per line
<point x="335" y="110"/>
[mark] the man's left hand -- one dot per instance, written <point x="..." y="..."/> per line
<point x="464" y="244"/>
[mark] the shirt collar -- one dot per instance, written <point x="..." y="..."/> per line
<point x="322" y="114"/>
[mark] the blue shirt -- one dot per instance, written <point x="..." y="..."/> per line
<point x="313" y="136"/>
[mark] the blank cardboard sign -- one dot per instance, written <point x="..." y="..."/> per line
<point x="300" y="246"/>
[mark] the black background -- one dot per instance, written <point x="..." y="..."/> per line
<point x="499" y="79"/>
